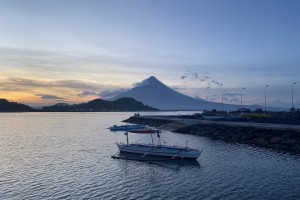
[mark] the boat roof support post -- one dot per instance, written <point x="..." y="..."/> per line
<point x="152" y="139"/>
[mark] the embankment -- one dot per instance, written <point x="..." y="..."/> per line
<point x="278" y="136"/>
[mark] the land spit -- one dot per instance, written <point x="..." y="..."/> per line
<point x="275" y="136"/>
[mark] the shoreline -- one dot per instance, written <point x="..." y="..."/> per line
<point x="272" y="136"/>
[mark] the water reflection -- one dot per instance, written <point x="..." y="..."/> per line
<point x="177" y="164"/>
<point x="67" y="156"/>
<point x="170" y="163"/>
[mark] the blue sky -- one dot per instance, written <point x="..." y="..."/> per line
<point x="55" y="51"/>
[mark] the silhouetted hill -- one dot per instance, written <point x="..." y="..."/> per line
<point x="6" y="106"/>
<point x="122" y="104"/>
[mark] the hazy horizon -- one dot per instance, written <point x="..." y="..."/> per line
<point x="75" y="51"/>
<point x="111" y="95"/>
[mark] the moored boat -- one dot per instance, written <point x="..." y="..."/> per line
<point x="173" y="152"/>
<point x="144" y="131"/>
<point x="160" y="150"/>
<point x="127" y="127"/>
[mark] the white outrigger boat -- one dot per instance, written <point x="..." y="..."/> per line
<point x="166" y="151"/>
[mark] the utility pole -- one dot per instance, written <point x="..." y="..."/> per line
<point x="266" y="97"/>
<point x="223" y="99"/>
<point x="293" y="94"/>
<point x="242" y="99"/>
<point x="206" y="102"/>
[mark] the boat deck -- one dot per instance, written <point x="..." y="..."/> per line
<point x="132" y="156"/>
<point x="160" y="146"/>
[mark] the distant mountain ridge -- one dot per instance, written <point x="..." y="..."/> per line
<point x="7" y="106"/>
<point x="154" y="93"/>
<point x="121" y="104"/>
<point x="97" y="105"/>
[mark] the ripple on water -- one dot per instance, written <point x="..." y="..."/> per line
<point x="67" y="156"/>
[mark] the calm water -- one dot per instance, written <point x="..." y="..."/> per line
<point x="67" y="156"/>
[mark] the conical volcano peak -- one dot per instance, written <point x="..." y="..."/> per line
<point x="152" y="78"/>
<point x="149" y="81"/>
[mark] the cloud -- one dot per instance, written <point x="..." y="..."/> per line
<point x="217" y="83"/>
<point x="276" y="101"/>
<point x="192" y="75"/>
<point x="48" y="96"/>
<point x="232" y="97"/>
<point x="142" y="83"/>
<point x="231" y="94"/>
<point x="76" y="84"/>
<point x="235" y="99"/>
<point x="179" y="88"/>
<point x="195" y="74"/>
<point x="80" y="62"/>
<point x="25" y="84"/>
<point x="198" y="97"/>
<point x="204" y="78"/>
<point x="14" y="84"/>
<point x="183" y="77"/>
<point x="107" y="94"/>
<point x="88" y="93"/>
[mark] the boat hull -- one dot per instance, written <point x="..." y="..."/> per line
<point x="144" y="131"/>
<point x="127" y="127"/>
<point x="160" y="150"/>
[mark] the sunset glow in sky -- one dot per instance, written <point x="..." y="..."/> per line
<point x="76" y="50"/>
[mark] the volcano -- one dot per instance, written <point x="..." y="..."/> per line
<point x="154" y="93"/>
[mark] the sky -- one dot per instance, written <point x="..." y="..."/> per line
<point x="77" y="50"/>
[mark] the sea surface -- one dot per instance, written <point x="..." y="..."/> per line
<point x="68" y="156"/>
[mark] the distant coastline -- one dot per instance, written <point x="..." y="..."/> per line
<point x="97" y="105"/>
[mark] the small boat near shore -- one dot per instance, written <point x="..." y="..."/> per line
<point x="145" y="131"/>
<point x="127" y="127"/>
<point x="166" y="151"/>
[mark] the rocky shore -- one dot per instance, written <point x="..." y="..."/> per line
<point x="282" y="137"/>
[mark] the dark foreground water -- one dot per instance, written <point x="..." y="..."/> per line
<point x="67" y="156"/>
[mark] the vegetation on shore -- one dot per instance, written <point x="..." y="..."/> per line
<point x="100" y="105"/>
<point x="6" y="106"/>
